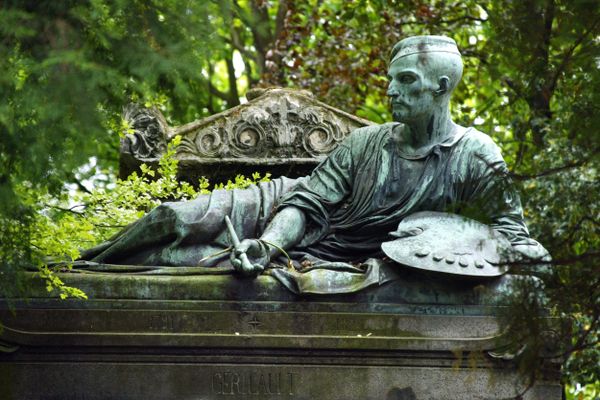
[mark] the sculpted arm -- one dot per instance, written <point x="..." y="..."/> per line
<point x="304" y="212"/>
<point x="496" y="194"/>
<point x="285" y="230"/>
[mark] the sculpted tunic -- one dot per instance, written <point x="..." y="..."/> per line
<point x="367" y="186"/>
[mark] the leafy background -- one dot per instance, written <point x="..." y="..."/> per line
<point x="531" y="81"/>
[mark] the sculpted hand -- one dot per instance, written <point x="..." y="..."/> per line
<point x="533" y="251"/>
<point x="250" y="257"/>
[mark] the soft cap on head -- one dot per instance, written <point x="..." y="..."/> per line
<point x="443" y="65"/>
<point x="423" y="44"/>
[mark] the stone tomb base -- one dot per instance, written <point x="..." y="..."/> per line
<point x="166" y="337"/>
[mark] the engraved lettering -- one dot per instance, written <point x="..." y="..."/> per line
<point x="262" y="385"/>
<point x="291" y="376"/>
<point x="217" y="383"/>
<point x="154" y="322"/>
<point x="251" y="376"/>
<point x="227" y="389"/>
<point x="277" y="382"/>
<point x="229" y="383"/>
<point x="235" y="383"/>
<point x="164" y="322"/>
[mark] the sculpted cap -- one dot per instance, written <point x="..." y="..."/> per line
<point x="423" y="44"/>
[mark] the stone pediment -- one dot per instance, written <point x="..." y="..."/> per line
<point x="281" y="131"/>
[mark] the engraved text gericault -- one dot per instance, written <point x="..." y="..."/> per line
<point x="253" y="383"/>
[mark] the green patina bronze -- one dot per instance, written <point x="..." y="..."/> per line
<point x="336" y="219"/>
<point x="165" y="320"/>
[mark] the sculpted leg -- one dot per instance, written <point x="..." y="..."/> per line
<point x="147" y="238"/>
<point x="183" y="233"/>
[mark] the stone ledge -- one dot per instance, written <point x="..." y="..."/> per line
<point x="182" y="340"/>
<point x="412" y="288"/>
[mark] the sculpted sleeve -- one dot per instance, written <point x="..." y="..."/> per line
<point x="494" y="194"/>
<point x="327" y="186"/>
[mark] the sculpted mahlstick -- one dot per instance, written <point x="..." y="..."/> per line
<point x="349" y="205"/>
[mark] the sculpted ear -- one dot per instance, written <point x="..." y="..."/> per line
<point x="444" y="83"/>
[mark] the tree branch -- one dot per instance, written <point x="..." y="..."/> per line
<point x="551" y="171"/>
<point x="109" y="226"/>
<point x="237" y="43"/>
<point x="512" y="85"/>
<point x="580" y="344"/>
<point x="575" y="228"/>
<point x="70" y="210"/>
<point x="590" y="255"/>
<point x="459" y="19"/>
<point x="216" y="92"/>
<point x="568" y="55"/>
<point x="78" y="183"/>
<point x="444" y="21"/>
<point x="242" y="14"/>
<point x="259" y="25"/>
<point x="280" y="18"/>
<point x="246" y="55"/>
<point x="234" y="98"/>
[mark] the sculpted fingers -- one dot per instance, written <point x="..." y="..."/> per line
<point x="249" y="257"/>
<point x="238" y="253"/>
<point x="235" y="261"/>
<point x="242" y="247"/>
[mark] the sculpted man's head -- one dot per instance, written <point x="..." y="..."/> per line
<point x="423" y="72"/>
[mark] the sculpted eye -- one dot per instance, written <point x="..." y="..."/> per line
<point x="407" y="79"/>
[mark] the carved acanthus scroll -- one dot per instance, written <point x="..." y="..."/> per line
<point x="277" y="128"/>
<point x="148" y="138"/>
<point x="281" y="125"/>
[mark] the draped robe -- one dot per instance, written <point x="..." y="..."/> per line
<point x="367" y="186"/>
<point x="352" y="201"/>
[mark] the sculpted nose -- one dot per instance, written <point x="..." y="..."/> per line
<point x="392" y="91"/>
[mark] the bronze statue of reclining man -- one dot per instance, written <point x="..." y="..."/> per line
<point x="348" y="206"/>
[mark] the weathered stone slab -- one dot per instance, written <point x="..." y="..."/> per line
<point x="179" y="340"/>
<point x="242" y="378"/>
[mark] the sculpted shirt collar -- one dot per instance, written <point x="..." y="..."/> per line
<point x="449" y="141"/>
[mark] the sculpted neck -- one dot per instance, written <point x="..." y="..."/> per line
<point x="428" y="131"/>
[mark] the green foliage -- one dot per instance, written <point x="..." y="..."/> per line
<point x="340" y="49"/>
<point x="579" y="392"/>
<point x="240" y="181"/>
<point x="62" y="226"/>
<point x="68" y="68"/>
<point x="531" y="81"/>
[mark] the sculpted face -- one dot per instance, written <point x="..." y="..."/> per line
<point x="410" y="89"/>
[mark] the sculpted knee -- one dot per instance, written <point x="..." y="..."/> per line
<point x="164" y="213"/>
<point x="163" y="209"/>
